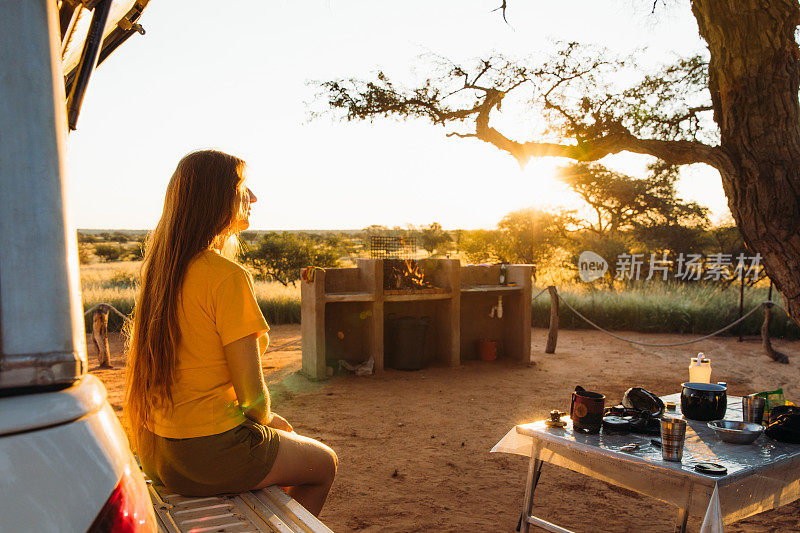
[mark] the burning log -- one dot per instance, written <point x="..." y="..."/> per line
<point x="404" y="275"/>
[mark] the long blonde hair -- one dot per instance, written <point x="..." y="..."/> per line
<point x="203" y="204"/>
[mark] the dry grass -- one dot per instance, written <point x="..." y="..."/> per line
<point x="648" y="307"/>
<point x="115" y="284"/>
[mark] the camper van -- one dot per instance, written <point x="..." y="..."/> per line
<point x="65" y="464"/>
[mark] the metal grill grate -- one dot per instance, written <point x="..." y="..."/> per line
<point x="381" y="247"/>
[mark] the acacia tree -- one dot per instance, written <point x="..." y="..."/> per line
<point x="619" y="202"/>
<point x="524" y="236"/>
<point x="735" y="109"/>
<point x="528" y="236"/>
<point x="281" y="256"/>
<point x="432" y="237"/>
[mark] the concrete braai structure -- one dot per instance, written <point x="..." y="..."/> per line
<point x="344" y="311"/>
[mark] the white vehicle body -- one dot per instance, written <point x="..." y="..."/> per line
<point x="62" y="456"/>
<point x="65" y="464"/>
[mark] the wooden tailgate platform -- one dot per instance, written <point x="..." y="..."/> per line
<point x="265" y="510"/>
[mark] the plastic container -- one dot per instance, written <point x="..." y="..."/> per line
<point x="406" y="337"/>
<point x="487" y="349"/>
<point x="700" y="369"/>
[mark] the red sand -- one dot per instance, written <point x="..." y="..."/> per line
<point x="414" y="446"/>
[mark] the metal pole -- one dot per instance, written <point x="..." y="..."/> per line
<point x="552" y="334"/>
<point x="741" y="307"/>
<point x="42" y="338"/>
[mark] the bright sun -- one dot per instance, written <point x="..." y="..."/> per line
<point x="543" y="189"/>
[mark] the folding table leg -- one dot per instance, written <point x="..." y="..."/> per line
<point x="534" y="471"/>
<point x="683" y="512"/>
<point x="681" y="520"/>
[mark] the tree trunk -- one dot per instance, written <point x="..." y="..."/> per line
<point x="100" y="335"/>
<point x="754" y="77"/>
<point x="766" y="343"/>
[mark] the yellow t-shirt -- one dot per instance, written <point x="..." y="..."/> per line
<point x="216" y="306"/>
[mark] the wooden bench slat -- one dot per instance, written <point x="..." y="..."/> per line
<point x="262" y="511"/>
<point x="269" y="519"/>
<point x="274" y="497"/>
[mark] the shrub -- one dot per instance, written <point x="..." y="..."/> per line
<point x="108" y="252"/>
<point x="281" y="256"/>
<point x="122" y="279"/>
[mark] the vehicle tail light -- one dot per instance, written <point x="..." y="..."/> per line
<point x="127" y="510"/>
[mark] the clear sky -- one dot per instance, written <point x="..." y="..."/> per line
<point x="234" y="76"/>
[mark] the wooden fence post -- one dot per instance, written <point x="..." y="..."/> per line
<point x="100" y="335"/>
<point x="766" y="343"/>
<point x="552" y="335"/>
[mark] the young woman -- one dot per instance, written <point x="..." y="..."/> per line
<point x="196" y="406"/>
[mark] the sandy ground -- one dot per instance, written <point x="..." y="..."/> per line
<point x="414" y="446"/>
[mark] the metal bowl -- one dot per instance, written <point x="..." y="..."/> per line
<point x="736" y="432"/>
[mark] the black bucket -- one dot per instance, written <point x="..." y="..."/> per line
<point x="405" y="346"/>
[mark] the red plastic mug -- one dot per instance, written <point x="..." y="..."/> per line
<point x="586" y="410"/>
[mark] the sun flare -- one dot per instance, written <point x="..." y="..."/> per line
<point x="542" y="188"/>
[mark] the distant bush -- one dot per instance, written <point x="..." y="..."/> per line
<point x="119" y="236"/>
<point x="136" y="252"/>
<point x="108" y="252"/>
<point x="248" y="236"/>
<point x="281" y="256"/>
<point x="84" y="254"/>
<point x="87" y="238"/>
<point x="122" y="279"/>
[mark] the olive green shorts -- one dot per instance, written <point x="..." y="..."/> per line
<point x="227" y="463"/>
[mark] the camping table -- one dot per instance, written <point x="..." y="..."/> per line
<point x="760" y="476"/>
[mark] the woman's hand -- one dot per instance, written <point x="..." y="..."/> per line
<point x="278" y="422"/>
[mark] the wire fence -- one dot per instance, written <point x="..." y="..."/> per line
<point x="692" y="341"/>
<point x="677" y="310"/>
<point x="590" y="322"/>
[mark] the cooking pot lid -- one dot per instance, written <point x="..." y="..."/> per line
<point x="616" y="423"/>
<point x="710" y="387"/>
<point x="711" y="468"/>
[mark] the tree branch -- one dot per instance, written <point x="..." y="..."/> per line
<point x="672" y="152"/>
<point x="502" y="9"/>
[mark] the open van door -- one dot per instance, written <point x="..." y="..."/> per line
<point x="66" y="462"/>
<point x="48" y="56"/>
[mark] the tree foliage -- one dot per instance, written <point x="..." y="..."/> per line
<point x="108" y="252"/>
<point x="86" y="238"/>
<point x="619" y="202"/>
<point x="528" y="236"/>
<point x="432" y="237"/>
<point x="525" y="236"/>
<point x="281" y="256"/>
<point x="669" y="109"/>
<point x="479" y="246"/>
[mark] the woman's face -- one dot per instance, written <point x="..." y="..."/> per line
<point x="246" y="198"/>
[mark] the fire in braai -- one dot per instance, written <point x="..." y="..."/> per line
<point x="403" y="274"/>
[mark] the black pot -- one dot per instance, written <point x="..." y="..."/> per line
<point x="704" y="401"/>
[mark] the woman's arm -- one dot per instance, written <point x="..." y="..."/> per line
<point x="244" y="363"/>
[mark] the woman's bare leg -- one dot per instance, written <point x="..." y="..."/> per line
<point x="306" y="466"/>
